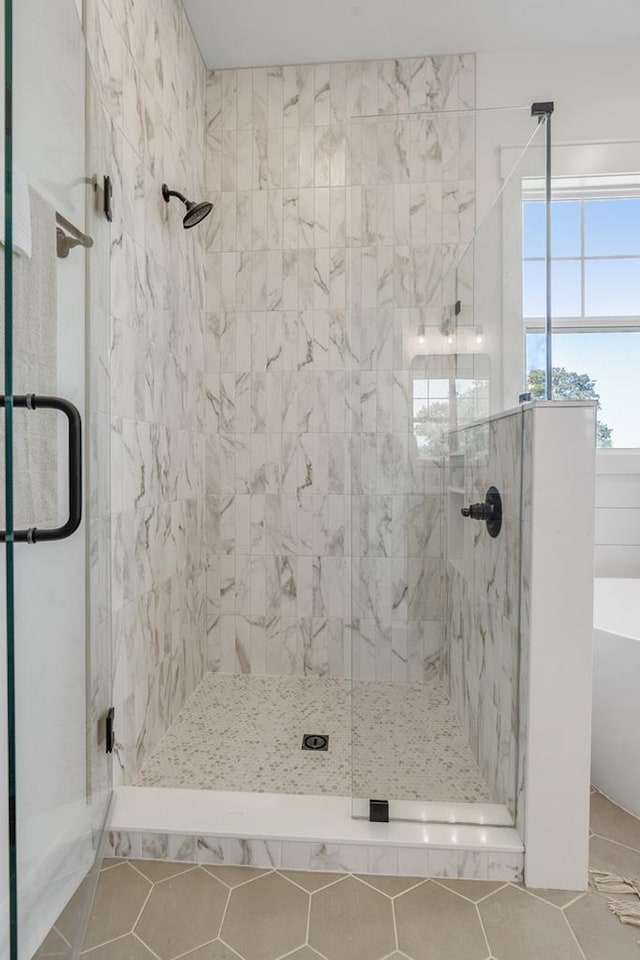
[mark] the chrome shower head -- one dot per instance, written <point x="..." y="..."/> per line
<point x="195" y="211"/>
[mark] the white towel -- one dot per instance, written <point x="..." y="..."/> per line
<point x="22" y="242"/>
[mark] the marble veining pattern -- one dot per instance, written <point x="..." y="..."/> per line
<point x="150" y="99"/>
<point x="397" y="740"/>
<point x="330" y="241"/>
<point x="483" y="630"/>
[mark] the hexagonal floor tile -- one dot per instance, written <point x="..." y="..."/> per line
<point x="53" y="946"/>
<point x="392" y="886"/>
<point x="611" y="822"/>
<point x="120" y="896"/>
<point x="182" y="913"/>
<point x="311" y="880"/>
<point x="614" y="858"/>
<point x="599" y="933"/>
<point x="351" y="921"/>
<point x="519" y="925"/>
<point x="213" y="951"/>
<point x="234" y="876"/>
<point x="125" y="948"/>
<point x="266" y="918"/>
<point x="156" y="870"/>
<point x="436" y="924"/>
<point x="471" y="889"/>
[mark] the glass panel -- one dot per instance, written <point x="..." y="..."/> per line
<point x="612" y="227"/>
<point x="566" y="288"/>
<point x="565" y="228"/>
<point x="61" y="678"/>
<point x="426" y="327"/>
<point x="599" y="366"/>
<point x="612" y="288"/>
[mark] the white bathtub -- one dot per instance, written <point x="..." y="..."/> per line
<point x="615" y="743"/>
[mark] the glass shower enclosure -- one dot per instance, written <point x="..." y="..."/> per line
<point x="435" y="601"/>
<point x="56" y="675"/>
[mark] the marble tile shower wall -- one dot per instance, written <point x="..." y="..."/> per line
<point x="152" y="84"/>
<point x="482" y="625"/>
<point x="324" y="527"/>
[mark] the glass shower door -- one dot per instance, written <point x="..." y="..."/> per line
<point x="436" y="341"/>
<point x="55" y="486"/>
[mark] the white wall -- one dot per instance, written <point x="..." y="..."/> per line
<point x="618" y="513"/>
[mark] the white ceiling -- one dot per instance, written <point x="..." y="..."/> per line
<point x="242" y="33"/>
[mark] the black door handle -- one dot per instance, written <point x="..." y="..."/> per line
<point x="33" y="535"/>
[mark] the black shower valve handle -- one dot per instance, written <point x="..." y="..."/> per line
<point x="490" y="511"/>
<point x="478" y="511"/>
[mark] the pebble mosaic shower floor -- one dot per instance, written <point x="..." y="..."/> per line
<point x="237" y="732"/>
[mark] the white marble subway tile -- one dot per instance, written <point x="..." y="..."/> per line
<point x="209" y="850"/>
<point x="243" y="96"/>
<point x="295" y="855"/>
<point x="306" y="157"/>
<point x="290" y="97"/>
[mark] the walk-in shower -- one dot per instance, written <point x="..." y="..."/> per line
<point x="274" y="637"/>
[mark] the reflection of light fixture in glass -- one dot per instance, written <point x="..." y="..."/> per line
<point x="479" y="337"/>
<point x="422" y="330"/>
<point x="450" y="338"/>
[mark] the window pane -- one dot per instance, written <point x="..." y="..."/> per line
<point x="612" y="288"/>
<point x="600" y="365"/>
<point x="533" y="288"/>
<point x="612" y="227"/>
<point x="565" y="228"/>
<point x="533" y="229"/>
<point x="566" y="291"/>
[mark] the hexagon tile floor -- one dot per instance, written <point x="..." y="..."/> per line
<point x="153" y="910"/>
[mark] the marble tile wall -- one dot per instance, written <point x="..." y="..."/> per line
<point x="386" y="859"/>
<point x="481" y="651"/>
<point x="151" y="83"/>
<point x="324" y="523"/>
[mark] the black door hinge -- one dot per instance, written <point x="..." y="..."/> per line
<point x="109" y="730"/>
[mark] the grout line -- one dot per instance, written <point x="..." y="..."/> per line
<point x="575" y="899"/>
<point x="229" y="947"/>
<point x="306" y="937"/>
<point x="497" y="890"/>
<point x="187" y="869"/>
<point x="575" y="939"/>
<point x="331" y="883"/>
<point x="532" y="893"/>
<point x="61" y="934"/>
<point x="463" y="896"/>
<point x="224" y="913"/>
<point x="137" y="920"/>
<point x="482" y="927"/>
<point x="239" y="866"/>
<point x="395" y="924"/>
<point x="615" y="842"/>
<point x="151" y="951"/>
<point x="187" y="952"/>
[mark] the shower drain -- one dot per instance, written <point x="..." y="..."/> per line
<point x="315" y="741"/>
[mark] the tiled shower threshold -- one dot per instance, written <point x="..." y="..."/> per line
<point x="300" y="832"/>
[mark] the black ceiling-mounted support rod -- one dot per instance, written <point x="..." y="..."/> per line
<point x="542" y="109"/>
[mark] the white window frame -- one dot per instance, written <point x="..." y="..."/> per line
<point x="576" y="168"/>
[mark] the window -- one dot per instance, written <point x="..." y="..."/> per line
<point x="448" y="391"/>
<point x="595" y="270"/>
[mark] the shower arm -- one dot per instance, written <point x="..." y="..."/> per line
<point x="167" y="194"/>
